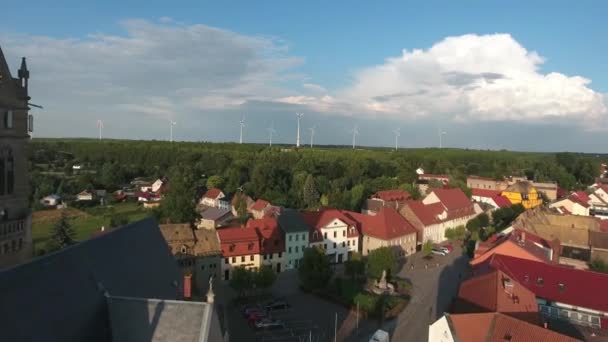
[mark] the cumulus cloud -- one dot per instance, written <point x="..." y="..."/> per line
<point x="470" y="77"/>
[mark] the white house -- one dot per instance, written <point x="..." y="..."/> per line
<point x="215" y="198"/>
<point x="573" y="204"/>
<point x="157" y="185"/>
<point x="84" y="195"/>
<point x="296" y="236"/>
<point x="440" y="331"/>
<point x="333" y="231"/>
<point x="50" y="200"/>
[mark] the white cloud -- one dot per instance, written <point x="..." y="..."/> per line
<point x="471" y="77"/>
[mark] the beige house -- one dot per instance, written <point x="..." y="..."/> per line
<point x="476" y="182"/>
<point x="15" y="126"/>
<point x="240" y="248"/>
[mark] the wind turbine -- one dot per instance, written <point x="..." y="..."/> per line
<point x="312" y="134"/>
<point x="271" y="131"/>
<point x="298" y="116"/>
<point x="355" y="132"/>
<point x="100" y="127"/>
<point x="441" y="134"/>
<point x="171" y="124"/>
<point x="242" y="124"/>
<point x="397" y="135"/>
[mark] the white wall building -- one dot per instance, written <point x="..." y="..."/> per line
<point x="334" y="232"/>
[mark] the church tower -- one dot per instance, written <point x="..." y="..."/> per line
<point x="15" y="126"/>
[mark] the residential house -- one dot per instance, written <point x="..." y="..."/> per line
<point x="485" y="183"/>
<point x="492" y="326"/>
<point x="334" y="232"/>
<point x="523" y="193"/>
<point x="520" y="244"/>
<point x="442" y="209"/>
<point x="425" y="178"/>
<point x="386" y="229"/>
<point x="272" y="242"/>
<point x="240" y="248"/>
<point x="296" y="233"/>
<point x="85" y="195"/>
<point x="493" y="198"/>
<point x="197" y="252"/>
<point x="259" y="208"/>
<point x="576" y="204"/>
<point x="563" y="293"/>
<point x="215" y="198"/>
<point x="50" y="200"/>
<point x="157" y="185"/>
<point x="212" y="218"/>
<point x="386" y="198"/>
<point x="108" y="288"/>
<point x="494" y="291"/>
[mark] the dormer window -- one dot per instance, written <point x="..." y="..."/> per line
<point x="561" y="287"/>
<point x="540" y="281"/>
<point x="183" y="249"/>
<point x="231" y="248"/>
<point x="315" y="235"/>
<point x="250" y="246"/>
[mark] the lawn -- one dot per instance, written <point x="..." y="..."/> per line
<point x="84" y="222"/>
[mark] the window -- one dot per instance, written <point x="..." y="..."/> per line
<point x="561" y="287"/>
<point x="203" y="267"/>
<point x="243" y="258"/>
<point x="325" y="246"/>
<point x="183" y="250"/>
<point x="251" y="258"/>
<point x="343" y="244"/>
<point x="289" y="250"/>
<point x="233" y="259"/>
<point x="265" y="256"/>
<point x="296" y="249"/>
<point x="271" y="256"/>
<point x="335" y="233"/>
<point x="226" y="261"/>
<point x="348" y="242"/>
<point x="325" y="235"/>
<point x="540" y="281"/>
<point x="334" y="245"/>
<point x="8" y="119"/>
<point x="303" y="237"/>
<point x="315" y="235"/>
<point x="280" y="253"/>
<point x="290" y="237"/>
<point x="344" y="233"/>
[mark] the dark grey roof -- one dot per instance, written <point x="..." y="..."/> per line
<point x="291" y="221"/>
<point x="155" y="320"/>
<point x="214" y="213"/>
<point x="60" y="296"/>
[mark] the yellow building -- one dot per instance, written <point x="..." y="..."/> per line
<point x="524" y="193"/>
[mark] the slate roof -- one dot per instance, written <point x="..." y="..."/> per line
<point x="580" y="288"/>
<point x="214" y="214"/>
<point x="497" y="327"/>
<point x="154" y="320"/>
<point x="60" y="296"/>
<point x="291" y="221"/>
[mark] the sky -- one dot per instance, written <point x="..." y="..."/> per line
<point x="514" y="75"/>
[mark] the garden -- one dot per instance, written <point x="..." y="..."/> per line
<point x="362" y="287"/>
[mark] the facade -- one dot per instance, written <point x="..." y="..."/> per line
<point x="492" y="326"/>
<point x="573" y="204"/>
<point x="272" y="243"/>
<point x="215" y="198"/>
<point x="334" y="232"/>
<point x="296" y="233"/>
<point x="523" y="193"/>
<point x="15" y="125"/>
<point x="240" y="248"/>
<point x="386" y="229"/>
<point x="519" y="244"/>
<point x="387" y="198"/>
<point x="485" y="183"/>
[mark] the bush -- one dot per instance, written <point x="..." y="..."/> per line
<point x="367" y="302"/>
<point x="381" y="259"/>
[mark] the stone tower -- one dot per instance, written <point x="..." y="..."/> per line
<point x="15" y="126"/>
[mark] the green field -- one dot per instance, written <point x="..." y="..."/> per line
<point x="84" y="222"/>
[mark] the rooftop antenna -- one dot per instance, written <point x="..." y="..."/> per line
<point x="355" y="132"/>
<point x="441" y="134"/>
<point x="397" y="135"/>
<point x="312" y="134"/>
<point x="242" y="124"/>
<point x="100" y="127"/>
<point x="298" y="116"/>
<point x="271" y="131"/>
<point x="171" y="124"/>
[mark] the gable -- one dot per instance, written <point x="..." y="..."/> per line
<point x="431" y="198"/>
<point x="335" y="223"/>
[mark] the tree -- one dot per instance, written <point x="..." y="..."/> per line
<point x="598" y="265"/>
<point x="355" y="266"/>
<point x="241" y="280"/>
<point x="62" y="234"/>
<point x="215" y="181"/>
<point x="381" y="259"/>
<point x="178" y="204"/>
<point x="264" y="278"/>
<point x="357" y="196"/>
<point x="118" y="220"/>
<point x="427" y="248"/>
<point x="314" y="269"/>
<point x="310" y="195"/>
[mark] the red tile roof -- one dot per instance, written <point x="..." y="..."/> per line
<point x="385" y="225"/>
<point x="392" y="195"/>
<point x="271" y="239"/>
<point x="579" y="288"/>
<point x="452" y="198"/>
<point x="427" y="214"/>
<point x="260" y="204"/>
<point x="486" y="193"/>
<point x="580" y="200"/>
<point x="434" y="176"/>
<point x="213" y="193"/>
<point x="319" y="219"/>
<point x="502" y="201"/>
<point x="239" y="241"/>
<point x="582" y="196"/>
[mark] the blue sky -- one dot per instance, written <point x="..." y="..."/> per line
<point x="344" y="49"/>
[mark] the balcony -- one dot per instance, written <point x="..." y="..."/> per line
<point x="11" y="228"/>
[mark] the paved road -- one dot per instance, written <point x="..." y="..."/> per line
<point x="433" y="290"/>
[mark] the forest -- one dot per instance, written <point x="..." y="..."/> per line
<point x="298" y="178"/>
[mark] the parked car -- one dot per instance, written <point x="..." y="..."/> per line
<point x="268" y="323"/>
<point x="277" y="304"/>
<point x="249" y="309"/>
<point x="444" y="249"/>
<point x="255" y="316"/>
<point x="438" y="251"/>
